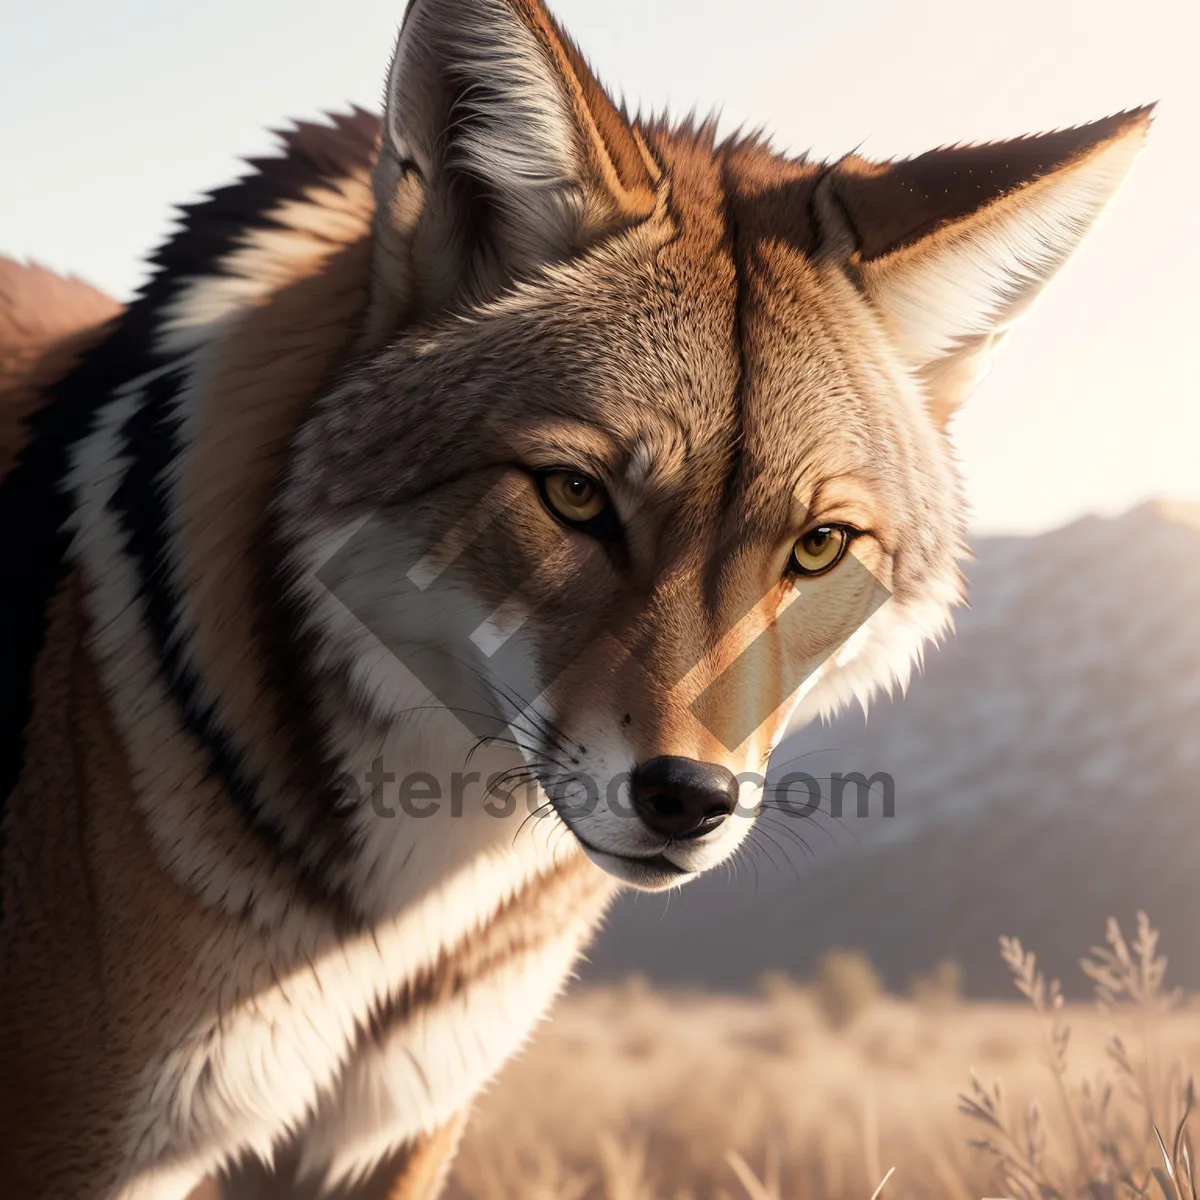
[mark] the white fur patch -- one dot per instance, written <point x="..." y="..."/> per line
<point x="431" y="1068"/>
<point x="273" y="1024"/>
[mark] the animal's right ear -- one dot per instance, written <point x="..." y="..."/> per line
<point x="951" y="247"/>
<point x="501" y="152"/>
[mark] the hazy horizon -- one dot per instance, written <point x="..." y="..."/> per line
<point x="112" y="119"/>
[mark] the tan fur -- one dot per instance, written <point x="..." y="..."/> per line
<point x="220" y="957"/>
<point x="46" y="324"/>
<point x="309" y="325"/>
<point x="93" y="953"/>
<point x="418" y="1172"/>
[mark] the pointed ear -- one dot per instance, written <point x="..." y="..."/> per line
<point x="501" y="151"/>
<point x="953" y="246"/>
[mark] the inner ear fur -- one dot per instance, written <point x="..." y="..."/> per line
<point x="501" y="153"/>
<point x="953" y="245"/>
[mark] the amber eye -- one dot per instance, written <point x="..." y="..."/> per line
<point x="819" y="550"/>
<point x="574" y="497"/>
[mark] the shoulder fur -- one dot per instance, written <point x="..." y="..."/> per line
<point x="212" y="280"/>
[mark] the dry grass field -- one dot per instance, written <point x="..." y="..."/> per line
<point x="817" y="1091"/>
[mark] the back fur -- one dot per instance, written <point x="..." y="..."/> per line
<point x="46" y="323"/>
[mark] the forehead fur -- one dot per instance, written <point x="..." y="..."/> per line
<point x="715" y="357"/>
<point x="825" y="396"/>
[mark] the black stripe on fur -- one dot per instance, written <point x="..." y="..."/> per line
<point x="34" y="503"/>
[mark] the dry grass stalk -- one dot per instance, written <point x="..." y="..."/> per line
<point x="1105" y="1153"/>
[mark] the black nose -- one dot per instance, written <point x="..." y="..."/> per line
<point x="683" y="798"/>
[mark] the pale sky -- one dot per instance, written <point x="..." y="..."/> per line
<point x="110" y="114"/>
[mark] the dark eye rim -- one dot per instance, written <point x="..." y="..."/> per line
<point x="848" y="532"/>
<point x="604" y="525"/>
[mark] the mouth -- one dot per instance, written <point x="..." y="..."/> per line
<point x="648" y="873"/>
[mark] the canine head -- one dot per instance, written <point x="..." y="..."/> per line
<point x="644" y="453"/>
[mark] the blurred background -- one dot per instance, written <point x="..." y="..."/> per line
<point x="1046" y="767"/>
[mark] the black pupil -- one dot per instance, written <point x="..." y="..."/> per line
<point x="580" y="489"/>
<point x="818" y="540"/>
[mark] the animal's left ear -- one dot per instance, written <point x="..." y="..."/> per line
<point x="501" y="153"/>
<point x="952" y="246"/>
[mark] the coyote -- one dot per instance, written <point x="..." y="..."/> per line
<point x="442" y="539"/>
